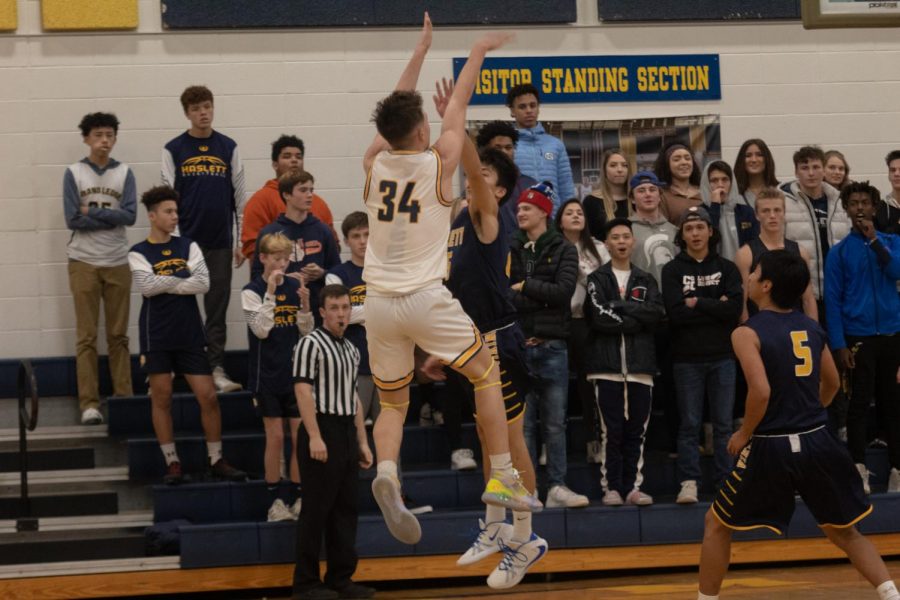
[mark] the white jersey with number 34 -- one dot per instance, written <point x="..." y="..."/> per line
<point x="409" y="223"/>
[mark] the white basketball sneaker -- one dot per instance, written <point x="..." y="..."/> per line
<point x="517" y="559"/>
<point x="488" y="541"/>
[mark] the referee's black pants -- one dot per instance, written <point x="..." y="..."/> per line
<point x="330" y="505"/>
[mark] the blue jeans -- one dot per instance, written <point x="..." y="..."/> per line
<point x="694" y="382"/>
<point x="549" y="364"/>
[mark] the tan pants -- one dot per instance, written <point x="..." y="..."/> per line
<point x="90" y="284"/>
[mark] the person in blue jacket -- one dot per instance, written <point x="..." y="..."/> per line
<point x="863" y="311"/>
<point x="539" y="154"/>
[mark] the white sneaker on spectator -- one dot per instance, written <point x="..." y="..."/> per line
<point x="560" y="496"/>
<point x="463" y="459"/>
<point x="91" y="416"/>
<point x="438" y="418"/>
<point x="894" y="482"/>
<point x="612" y="498"/>
<point x="542" y="459"/>
<point x="688" y="493"/>
<point x="296" y="506"/>
<point x="638" y="498"/>
<point x="426" y="419"/>
<point x="488" y="541"/>
<point x="223" y="383"/>
<point x="517" y="559"/>
<point x="842" y="434"/>
<point x="878" y="443"/>
<point x="280" y="512"/>
<point x="864" y="475"/>
<point x="594" y="453"/>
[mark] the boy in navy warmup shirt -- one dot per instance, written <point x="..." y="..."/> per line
<point x="355" y="228"/>
<point x="315" y="250"/>
<point x="169" y="271"/>
<point x="276" y="309"/>
<point x="204" y="166"/>
<point x="783" y="446"/>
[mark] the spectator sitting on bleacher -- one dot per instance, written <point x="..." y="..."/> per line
<point x="277" y="311"/>
<point x="169" y="272"/>
<point x="267" y="203"/>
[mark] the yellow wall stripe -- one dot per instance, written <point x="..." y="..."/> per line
<point x="64" y="15"/>
<point x="9" y="16"/>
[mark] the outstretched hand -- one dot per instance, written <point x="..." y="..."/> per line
<point x="496" y="39"/>
<point x="444" y="89"/>
<point x="425" y="36"/>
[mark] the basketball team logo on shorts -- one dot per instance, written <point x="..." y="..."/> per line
<point x="742" y="459"/>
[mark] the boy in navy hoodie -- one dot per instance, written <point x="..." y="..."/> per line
<point x="315" y="250"/>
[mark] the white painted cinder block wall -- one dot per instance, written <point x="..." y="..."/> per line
<point x="789" y="86"/>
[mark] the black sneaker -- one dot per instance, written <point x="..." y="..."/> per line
<point x="319" y="592"/>
<point x="354" y="590"/>
<point x="173" y="475"/>
<point x="222" y="470"/>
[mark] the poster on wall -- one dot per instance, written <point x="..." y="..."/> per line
<point x="850" y="13"/>
<point x="639" y="139"/>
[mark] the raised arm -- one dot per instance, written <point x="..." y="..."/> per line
<point x="453" y="125"/>
<point x="407" y="82"/>
<point x="483" y="206"/>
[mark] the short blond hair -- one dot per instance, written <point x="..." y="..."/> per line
<point x="273" y="243"/>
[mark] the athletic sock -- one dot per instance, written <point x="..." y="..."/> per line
<point x="521" y="526"/>
<point x="272" y="489"/>
<point x="388" y="467"/>
<point x="702" y="596"/>
<point x="888" y="591"/>
<point x="214" y="450"/>
<point x="494" y="514"/>
<point x="501" y="463"/>
<point x="169" y="453"/>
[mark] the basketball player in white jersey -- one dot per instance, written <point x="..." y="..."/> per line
<point x="408" y="196"/>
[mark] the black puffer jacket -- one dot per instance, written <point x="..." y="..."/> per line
<point x="549" y="268"/>
<point x="611" y="318"/>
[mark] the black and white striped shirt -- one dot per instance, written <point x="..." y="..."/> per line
<point x="330" y="365"/>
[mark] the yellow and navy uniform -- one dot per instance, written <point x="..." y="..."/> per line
<point x="791" y="451"/>
<point x="479" y="279"/>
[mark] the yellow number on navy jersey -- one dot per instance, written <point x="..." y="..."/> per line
<point x="388" y="191"/>
<point x="803" y="353"/>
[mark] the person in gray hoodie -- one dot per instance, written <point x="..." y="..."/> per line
<point x="654" y="235"/>
<point x="721" y="198"/>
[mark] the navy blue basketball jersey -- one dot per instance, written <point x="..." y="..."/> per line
<point x="270" y="358"/>
<point x="351" y="277"/>
<point x="168" y="321"/>
<point x="479" y="273"/>
<point x="791" y="346"/>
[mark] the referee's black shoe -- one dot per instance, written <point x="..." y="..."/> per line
<point x="320" y="592"/>
<point x="223" y="470"/>
<point x="354" y="590"/>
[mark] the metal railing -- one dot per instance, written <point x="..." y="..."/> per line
<point x="27" y="388"/>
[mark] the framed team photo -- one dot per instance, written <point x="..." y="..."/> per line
<point x="818" y="14"/>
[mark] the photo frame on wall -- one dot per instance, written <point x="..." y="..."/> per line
<point x="818" y="14"/>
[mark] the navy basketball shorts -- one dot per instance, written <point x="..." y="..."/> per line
<point x="507" y="347"/>
<point x="282" y="406"/>
<point x="188" y="361"/>
<point x="760" y="491"/>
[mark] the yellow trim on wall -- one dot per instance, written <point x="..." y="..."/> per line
<point x="65" y="15"/>
<point x="9" y="15"/>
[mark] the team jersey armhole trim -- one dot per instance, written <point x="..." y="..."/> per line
<point x="440" y="176"/>
<point x="368" y="182"/>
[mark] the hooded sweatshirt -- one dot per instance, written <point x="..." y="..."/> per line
<point x="654" y="244"/>
<point x="544" y="157"/>
<point x="735" y="218"/>
<point x="887" y="217"/>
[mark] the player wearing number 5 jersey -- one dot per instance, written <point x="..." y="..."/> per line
<point x="784" y="448"/>
<point x="407" y="194"/>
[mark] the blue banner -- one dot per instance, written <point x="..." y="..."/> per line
<point x="589" y="79"/>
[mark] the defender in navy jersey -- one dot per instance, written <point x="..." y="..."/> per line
<point x="784" y="447"/>
<point x="478" y="249"/>
<point x="169" y="272"/>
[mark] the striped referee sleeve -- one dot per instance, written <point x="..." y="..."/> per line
<point x="306" y="361"/>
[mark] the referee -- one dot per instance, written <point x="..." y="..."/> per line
<point x="331" y="446"/>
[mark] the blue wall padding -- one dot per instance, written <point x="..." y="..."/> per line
<point x="220" y="14"/>
<point x="699" y="10"/>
